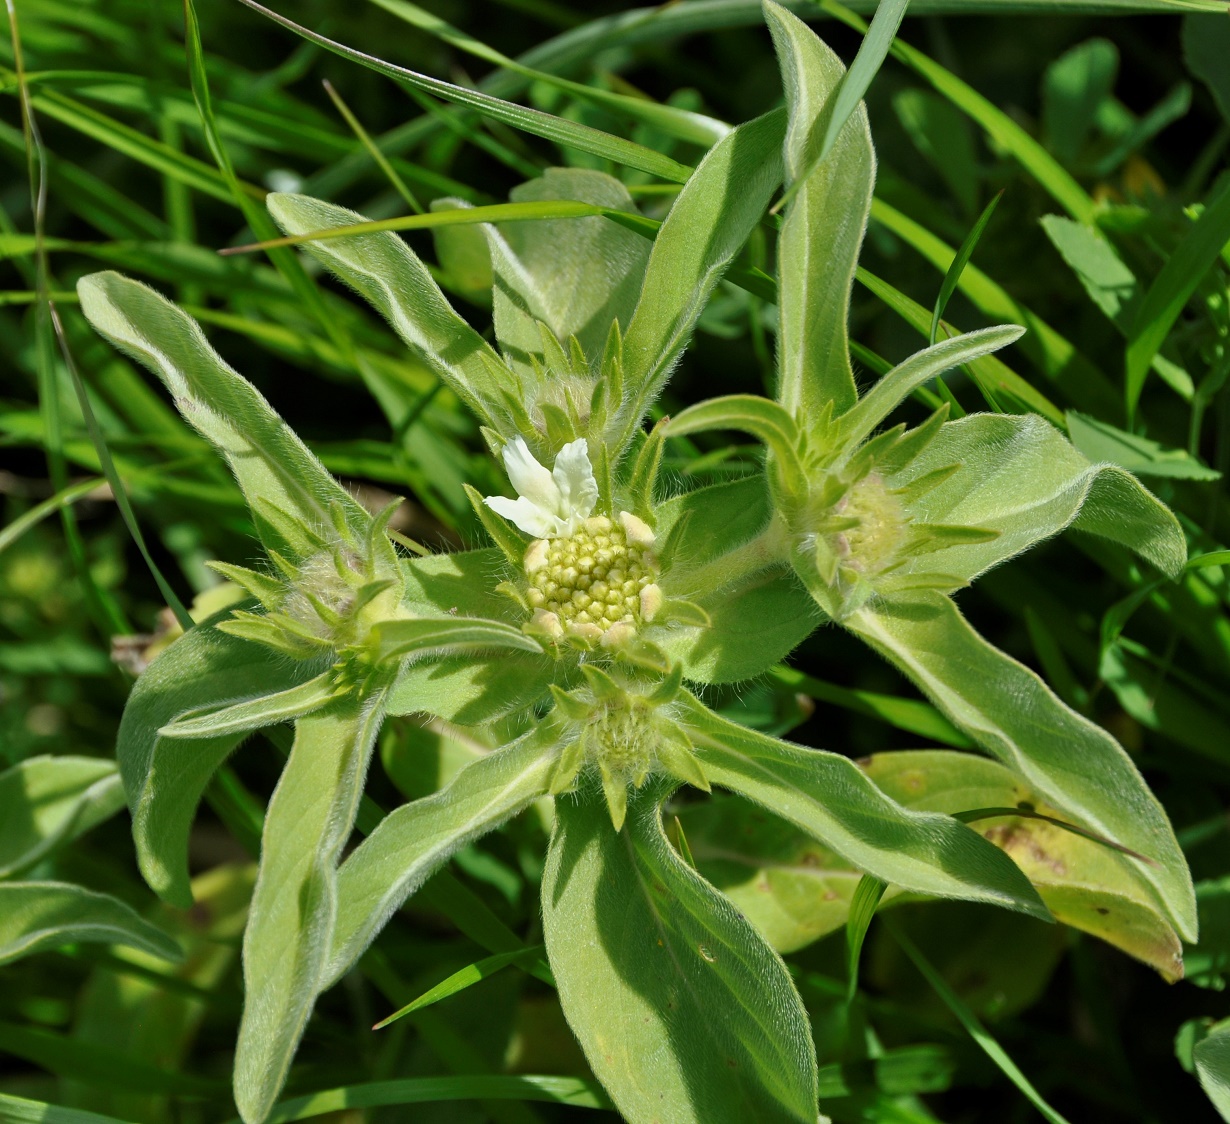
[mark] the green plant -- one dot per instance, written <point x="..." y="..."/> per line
<point x="594" y="679"/>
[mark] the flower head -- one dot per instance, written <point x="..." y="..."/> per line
<point x="550" y="504"/>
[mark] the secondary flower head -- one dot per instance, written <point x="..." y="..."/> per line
<point x="550" y="504"/>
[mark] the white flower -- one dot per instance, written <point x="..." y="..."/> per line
<point x="551" y="504"/>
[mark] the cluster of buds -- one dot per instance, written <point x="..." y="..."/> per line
<point x="622" y="731"/>
<point x="325" y="602"/>
<point x="591" y="580"/>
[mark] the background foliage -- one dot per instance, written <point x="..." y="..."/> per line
<point x="1103" y="131"/>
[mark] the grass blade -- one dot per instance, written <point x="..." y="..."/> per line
<point x="863" y="905"/>
<point x="953" y="277"/>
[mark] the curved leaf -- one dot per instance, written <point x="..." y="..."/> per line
<point x="383" y="270"/>
<point x="699" y="1020"/>
<point x="1020" y="476"/>
<point x="394" y="640"/>
<point x="271" y="464"/>
<point x="45" y="801"/>
<point x="830" y="798"/>
<point x="413" y="841"/>
<point x="291" y="920"/>
<point x="165" y="777"/>
<point x="267" y="710"/>
<point x="1010" y="712"/>
<point x="749" y="413"/>
<point x="37" y="915"/>
<point x="819" y="242"/>
<point x="724" y="198"/>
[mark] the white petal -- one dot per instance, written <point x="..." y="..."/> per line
<point x="527" y="515"/>
<point x="638" y="531"/>
<point x="529" y="478"/>
<point x="574" y="477"/>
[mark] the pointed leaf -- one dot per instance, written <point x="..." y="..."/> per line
<point x="37" y="915"/>
<point x="394" y="640"/>
<point x="46" y="801"/>
<point x="267" y="710"/>
<point x="269" y="461"/>
<point x="749" y="413"/>
<point x="699" y="1020"/>
<point x="1076" y="766"/>
<point x="165" y="777"/>
<point x="388" y="274"/>
<point x="413" y="841"/>
<point x="830" y="798"/>
<point x="291" y="921"/>
<point x="1212" y="1058"/>
<point x="905" y="378"/>
<point x="820" y="238"/>
<point x="1019" y="476"/>
<point x="716" y="211"/>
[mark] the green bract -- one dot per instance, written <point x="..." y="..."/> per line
<point x="603" y="611"/>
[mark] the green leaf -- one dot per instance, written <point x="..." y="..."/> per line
<point x="887" y="394"/>
<point x="267" y="710"/>
<point x="388" y="274"/>
<point x="413" y="841"/>
<point x="819" y="242"/>
<point x="394" y="640"/>
<point x="1010" y="712"/>
<point x="711" y="219"/>
<point x="463" y="255"/>
<point x="1100" y="441"/>
<point x="863" y="904"/>
<point x="699" y="1020"/>
<point x="1085" y="884"/>
<point x="46" y="801"/>
<point x="579" y="1092"/>
<point x="830" y="798"/>
<point x="952" y="276"/>
<point x="291" y="921"/>
<point x="1197" y="252"/>
<point x="846" y="97"/>
<point x="1212" y="1058"/>
<point x="165" y="777"/>
<point x="38" y="915"/>
<point x="749" y="413"/>
<point x="576" y="276"/>
<point x="18" y="1110"/>
<point x="1018" y="475"/>
<point x="1073" y="89"/>
<point x="567" y="133"/>
<point x="941" y="132"/>
<point x="1206" y="42"/>
<point x="271" y="464"/>
<point x="464" y="978"/>
<point x="975" y="1029"/>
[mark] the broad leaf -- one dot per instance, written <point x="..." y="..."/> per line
<point x="386" y="272"/>
<point x="271" y="464"/>
<point x="717" y="209"/>
<point x="1010" y="712"/>
<point x="699" y="1021"/>
<point x="46" y="801"/>
<point x="165" y="777"/>
<point x="291" y="921"/>
<point x="820" y="238"/>
<point x="574" y="275"/>
<point x="413" y="841"/>
<point x="830" y="798"/>
<point x="37" y="915"/>
<point x="1019" y="476"/>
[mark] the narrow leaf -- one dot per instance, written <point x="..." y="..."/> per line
<point x="38" y="915"/>
<point x="1011" y="713"/>
<point x="413" y="841"/>
<point x="286" y="943"/>
<point x="830" y="798"/>
<point x="747" y="412"/>
<point x="253" y="714"/>
<point x="394" y="640"/>
<point x="952" y="278"/>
